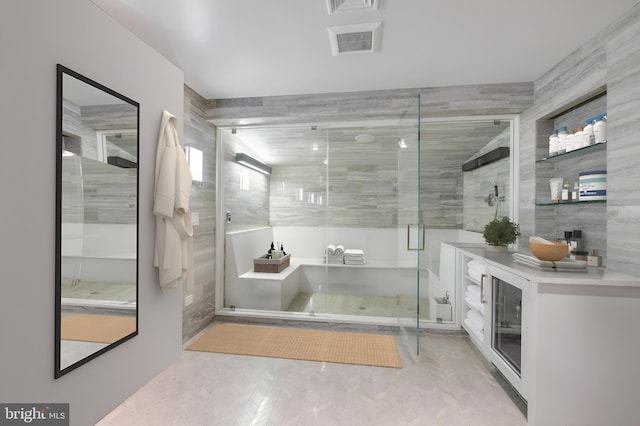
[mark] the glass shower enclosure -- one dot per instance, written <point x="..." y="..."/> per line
<point x="343" y="201"/>
<point x="361" y="210"/>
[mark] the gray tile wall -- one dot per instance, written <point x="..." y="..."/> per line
<point x="249" y="207"/>
<point x="363" y="188"/>
<point x="107" y="193"/>
<point x="477" y="185"/>
<point x="366" y="194"/>
<point x="201" y="134"/>
<point x="610" y="60"/>
<point x="491" y="99"/>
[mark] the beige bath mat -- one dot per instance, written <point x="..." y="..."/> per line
<point x="311" y="345"/>
<point x="96" y="328"/>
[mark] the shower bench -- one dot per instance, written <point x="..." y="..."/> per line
<point x="276" y="291"/>
<point x="246" y="289"/>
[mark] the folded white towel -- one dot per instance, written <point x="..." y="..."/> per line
<point x="351" y="252"/>
<point x="476" y="318"/>
<point x="473" y="298"/>
<point x="476" y="275"/>
<point x="478" y="265"/>
<point x="331" y="249"/>
<point x="471" y="325"/>
<point x="473" y="289"/>
<point x="561" y="265"/>
<point x="334" y="260"/>
<point x="474" y="303"/>
<point x="339" y="249"/>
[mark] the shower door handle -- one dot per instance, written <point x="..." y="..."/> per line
<point x="421" y="243"/>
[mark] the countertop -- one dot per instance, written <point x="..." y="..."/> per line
<point x="594" y="276"/>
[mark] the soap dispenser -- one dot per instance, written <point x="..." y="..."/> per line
<point x="577" y="246"/>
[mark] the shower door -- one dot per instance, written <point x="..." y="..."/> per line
<point x="411" y="229"/>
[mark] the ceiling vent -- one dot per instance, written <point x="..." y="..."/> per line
<point x="334" y="6"/>
<point x="355" y="38"/>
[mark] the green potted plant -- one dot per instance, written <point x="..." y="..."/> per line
<point x="499" y="233"/>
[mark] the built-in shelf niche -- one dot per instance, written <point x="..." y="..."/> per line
<point x="552" y="219"/>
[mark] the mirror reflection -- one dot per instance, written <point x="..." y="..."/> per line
<point x="97" y="214"/>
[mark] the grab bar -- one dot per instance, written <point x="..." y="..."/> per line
<point x="421" y="248"/>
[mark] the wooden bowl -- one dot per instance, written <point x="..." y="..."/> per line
<point x="549" y="252"/>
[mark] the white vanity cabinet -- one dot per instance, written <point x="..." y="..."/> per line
<point x="579" y="339"/>
<point x="510" y="329"/>
<point x="504" y="305"/>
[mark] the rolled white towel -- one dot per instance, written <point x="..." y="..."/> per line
<point x="331" y="249"/>
<point x="339" y="250"/>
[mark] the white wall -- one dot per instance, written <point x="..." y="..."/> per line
<point x="35" y="35"/>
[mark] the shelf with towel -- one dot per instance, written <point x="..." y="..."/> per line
<point x="474" y="293"/>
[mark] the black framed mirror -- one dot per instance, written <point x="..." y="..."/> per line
<point x="96" y="298"/>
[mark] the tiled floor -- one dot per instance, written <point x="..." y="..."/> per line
<point x="122" y="292"/>
<point x="447" y="384"/>
<point x="345" y="304"/>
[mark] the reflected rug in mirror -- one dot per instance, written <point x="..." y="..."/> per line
<point x="96" y="328"/>
<point x="302" y="344"/>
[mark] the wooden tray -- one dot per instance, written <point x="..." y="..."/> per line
<point x="262" y="264"/>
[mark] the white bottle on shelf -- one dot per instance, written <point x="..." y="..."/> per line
<point x="562" y="138"/>
<point x="570" y="144"/>
<point x="589" y="137"/>
<point x="578" y="142"/>
<point x="553" y="143"/>
<point x="600" y="128"/>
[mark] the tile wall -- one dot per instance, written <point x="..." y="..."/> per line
<point x="610" y="60"/>
<point x="200" y="134"/>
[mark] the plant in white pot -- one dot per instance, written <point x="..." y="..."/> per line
<point x="499" y="233"/>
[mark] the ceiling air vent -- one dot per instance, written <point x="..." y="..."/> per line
<point x="355" y="38"/>
<point x="334" y="6"/>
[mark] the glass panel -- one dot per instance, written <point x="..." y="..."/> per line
<point x="507" y="322"/>
<point x="387" y="188"/>
<point x="285" y="207"/>
<point x="410" y="235"/>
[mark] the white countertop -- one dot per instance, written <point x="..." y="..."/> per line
<point x="594" y="276"/>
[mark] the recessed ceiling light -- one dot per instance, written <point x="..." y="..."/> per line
<point x="365" y="138"/>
